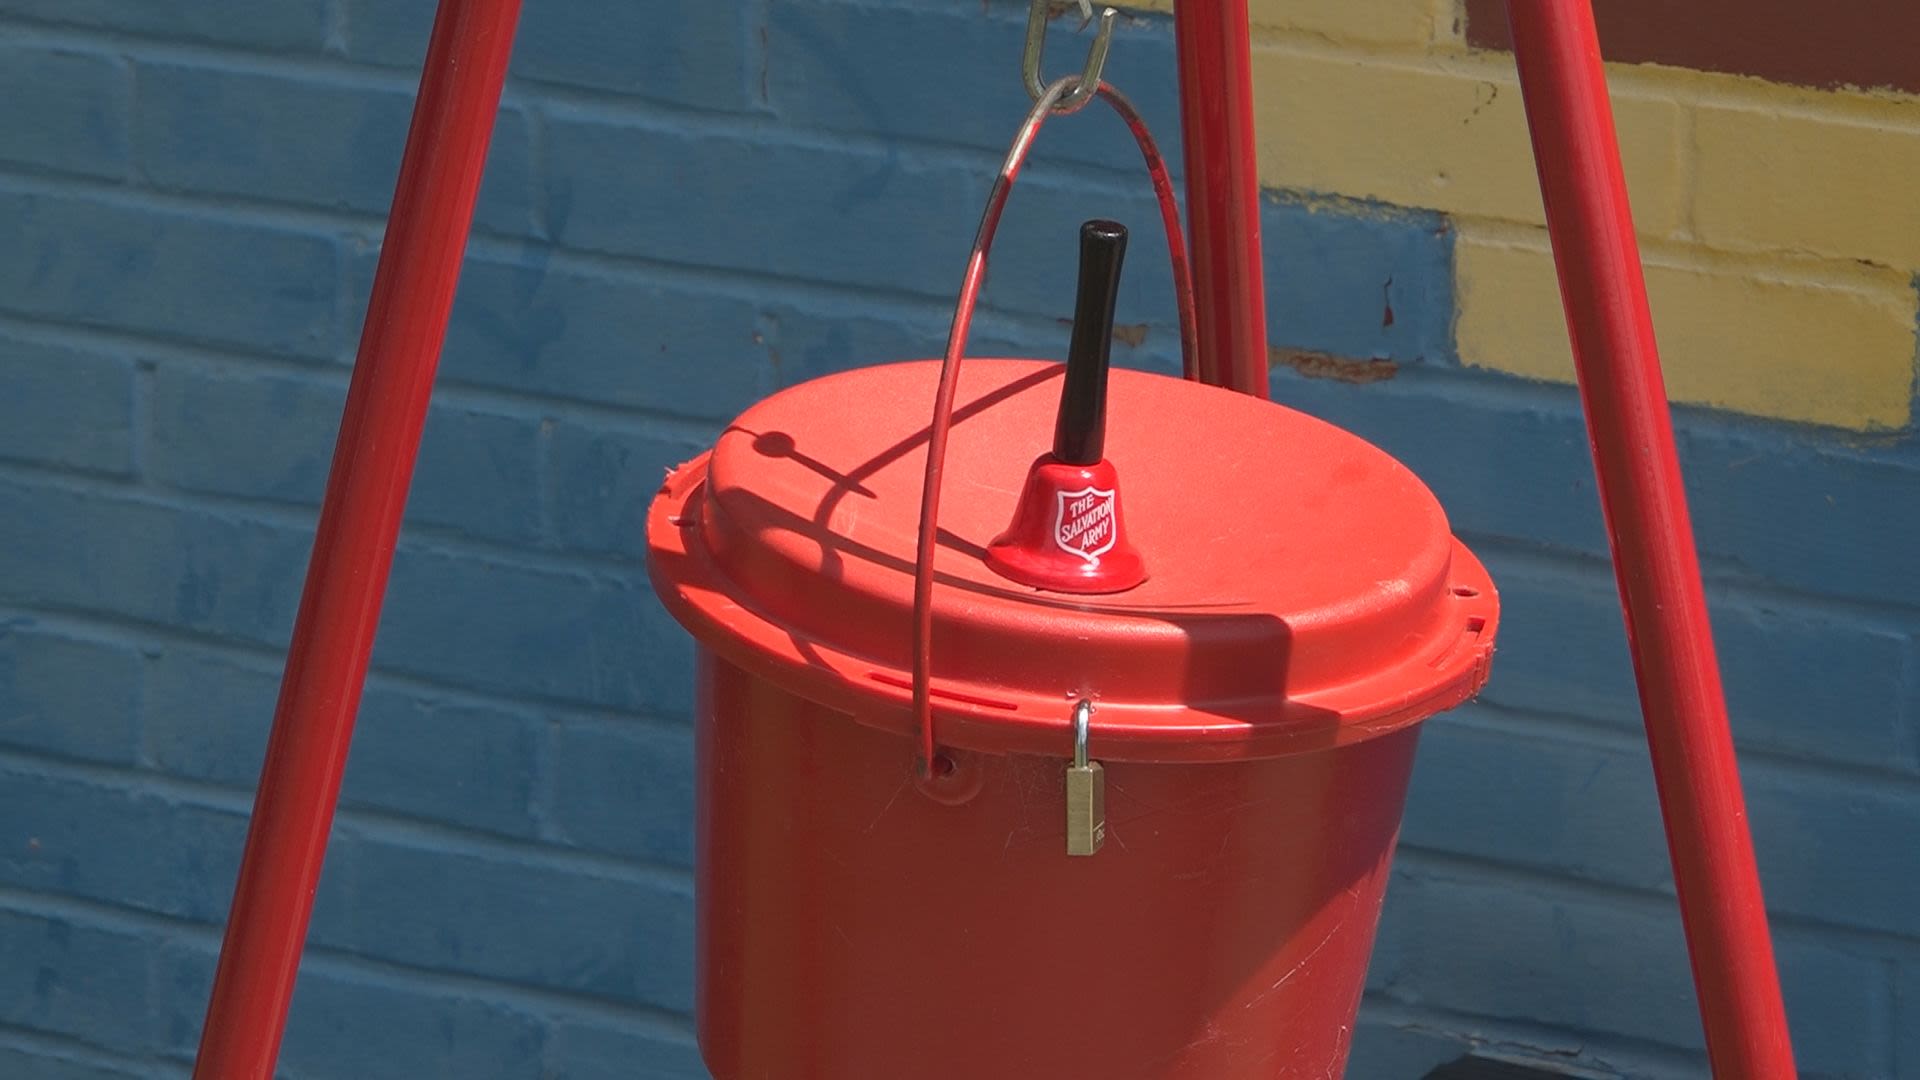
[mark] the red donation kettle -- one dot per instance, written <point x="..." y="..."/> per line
<point x="1256" y="703"/>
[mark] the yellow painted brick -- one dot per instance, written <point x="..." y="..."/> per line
<point x="1374" y="22"/>
<point x="1835" y="184"/>
<point x="1450" y="25"/>
<point x="1835" y="349"/>
<point x="1446" y="134"/>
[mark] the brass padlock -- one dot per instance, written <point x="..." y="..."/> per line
<point x="1086" y="791"/>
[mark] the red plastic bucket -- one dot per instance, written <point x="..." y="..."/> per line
<point x="1257" y="702"/>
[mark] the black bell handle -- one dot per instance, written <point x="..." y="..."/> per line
<point x="1080" y="432"/>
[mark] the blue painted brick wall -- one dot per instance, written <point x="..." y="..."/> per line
<point x="689" y="205"/>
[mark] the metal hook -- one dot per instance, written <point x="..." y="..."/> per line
<point x="1089" y="80"/>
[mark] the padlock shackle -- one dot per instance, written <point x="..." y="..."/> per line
<point x="1082" y="730"/>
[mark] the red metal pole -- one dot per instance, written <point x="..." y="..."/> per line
<point x="1641" y="495"/>
<point x="353" y="547"/>
<point x="1223" y="191"/>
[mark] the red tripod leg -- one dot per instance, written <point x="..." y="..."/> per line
<point x="373" y="462"/>
<point x="1641" y="494"/>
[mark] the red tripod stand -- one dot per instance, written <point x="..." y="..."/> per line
<point x="1620" y="384"/>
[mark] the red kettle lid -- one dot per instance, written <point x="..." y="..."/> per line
<point x="1306" y="590"/>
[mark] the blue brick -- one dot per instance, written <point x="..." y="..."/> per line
<point x="523" y="324"/>
<point x="807" y="342"/>
<point x="207" y="718"/>
<point x="182" y="984"/>
<point x="226" y="133"/>
<point x="864" y="70"/>
<point x="78" y="119"/>
<point x="851" y="217"/>
<point x="476" y="472"/>
<point x="461" y="764"/>
<point x="1385" y="1049"/>
<point x="1589" y="963"/>
<point x="73" y="979"/>
<point x="67" y="697"/>
<point x="284" y="24"/>
<point x="1331" y="277"/>
<point x="165" y="564"/>
<point x="1838" y="1006"/>
<point x="347" y="1023"/>
<point x="1565" y="807"/>
<point x="695" y="54"/>
<point x="1852" y="713"/>
<point x="591" y="1051"/>
<point x="179" y="275"/>
<point x="603" y="479"/>
<point x="285" y="425"/>
<point x="894" y="222"/>
<point x="494" y="625"/>
<point x="1358" y="280"/>
<point x="478" y="475"/>
<point x="1563" y="649"/>
<point x="503" y="918"/>
<point x="1773" y="507"/>
<point x="66" y="407"/>
<point x="1496" y="950"/>
<point x="1906" y="1019"/>
<point x="490" y="624"/>
<point x="1562" y="645"/>
<point x="624" y="788"/>
<point x="1391" y="1041"/>
<point x="1825" y="849"/>
<point x="1768" y="500"/>
<point x="1590" y="811"/>
<point x="28" y="1062"/>
<point x="1500" y="466"/>
<point x="168" y="858"/>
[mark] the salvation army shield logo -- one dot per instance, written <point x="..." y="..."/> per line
<point x="1083" y="523"/>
